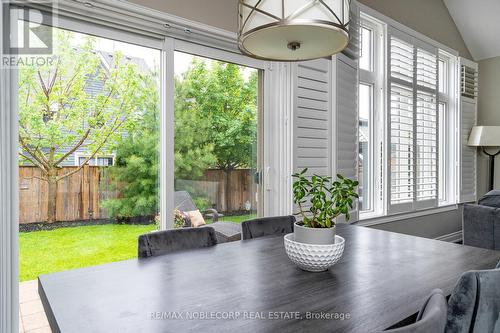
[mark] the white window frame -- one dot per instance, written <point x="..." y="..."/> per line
<point x="451" y="139"/>
<point x="9" y="196"/>
<point x="415" y="88"/>
<point x="376" y="79"/>
<point x="175" y="45"/>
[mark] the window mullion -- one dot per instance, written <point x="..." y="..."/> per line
<point x="438" y="130"/>
<point x="415" y="148"/>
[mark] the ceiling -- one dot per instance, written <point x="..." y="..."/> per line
<point x="478" y="24"/>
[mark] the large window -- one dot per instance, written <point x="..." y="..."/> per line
<point x="370" y="136"/>
<point x="406" y="136"/>
<point x="412" y="125"/>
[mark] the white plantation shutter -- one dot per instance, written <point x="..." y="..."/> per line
<point x="413" y="123"/>
<point x="402" y="173"/>
<point x="320" y="128"/>
<point x="346" y="121"/>
<point x="352" y="50"/>
<point x="312" y="110"/>
<point x="427" y="128"/>
<point x="468" y="117"/>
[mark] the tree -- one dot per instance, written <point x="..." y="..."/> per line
<point x="222" y="98"/>
<point x="193" y="150"/>
<point x="135" y="174"/>
<point x="58" y="114"/>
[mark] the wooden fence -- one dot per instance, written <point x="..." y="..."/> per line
<point x="80" y="196"/>
<point x="227" y="192"/>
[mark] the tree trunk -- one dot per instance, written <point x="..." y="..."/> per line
<point x="227" y="189"/>
<point x="52" y="198"/>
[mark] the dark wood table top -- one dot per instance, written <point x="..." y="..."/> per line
<point x="251" y="286"/>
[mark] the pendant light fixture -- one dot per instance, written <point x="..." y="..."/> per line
<point x="293" y="30"/>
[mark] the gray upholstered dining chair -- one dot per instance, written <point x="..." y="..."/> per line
<point x="167" y="241"/>
<point x="430" y="319"/>
<point x="267" y="226"/>
<point x="481" y="222"/>
<point x="474" y="304"/>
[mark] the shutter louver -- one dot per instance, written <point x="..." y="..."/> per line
<point x="468" y="119"/>
<point x="353" y="48"/>
<point x="402" y="161"/>
<point x="427" y="127"/>
<point x="427" y="145"/>
<point x="346" y="122"/>
<point x="468" y="154"/>
<point x="468" y="82"/>
<point x="401" y="60"/>
<point x="312" y="117"/>
<point x="413" y="124"/>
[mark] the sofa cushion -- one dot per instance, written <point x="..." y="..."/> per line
<point x="196" y="218"/>
<point x="492" y="199"/>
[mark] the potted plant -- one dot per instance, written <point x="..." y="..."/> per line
<point x="320" y="201"/>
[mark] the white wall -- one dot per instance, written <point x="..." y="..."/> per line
<point x="429" y="17"/>
<point x="217" y="13"/>
<point x="488" y="114"/>
<point x="428" y="226"/>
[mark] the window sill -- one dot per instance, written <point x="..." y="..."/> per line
<point x="369" y="221"/>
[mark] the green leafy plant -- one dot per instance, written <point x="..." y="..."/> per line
<point x="60" y="111"/>
<point x="328" y="199"/>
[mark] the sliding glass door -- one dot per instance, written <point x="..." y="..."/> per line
<point x="89" y="152"/>
<point x="217" y="131"/>
<point x="93" y="150"/>
<point x="118" y="132"/>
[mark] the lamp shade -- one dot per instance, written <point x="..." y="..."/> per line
<point x="484" y="136"/>
<point x="293" y="30"/>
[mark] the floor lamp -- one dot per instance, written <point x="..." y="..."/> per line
<point x="486" y="137"/>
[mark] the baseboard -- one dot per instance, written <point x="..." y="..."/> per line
<point x="454" y="237"/>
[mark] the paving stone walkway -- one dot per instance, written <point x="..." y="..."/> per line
<point x="32" y="318"/>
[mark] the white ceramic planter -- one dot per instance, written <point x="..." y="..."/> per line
<point x="320" y="236"/>
<point x="313" y="257"/>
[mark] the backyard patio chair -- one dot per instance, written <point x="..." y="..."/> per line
<point x="163" y="242"/>
<point x="225" y="231"/>
<point x="267" y="226"/>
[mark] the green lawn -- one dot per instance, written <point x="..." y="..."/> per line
<point x="238" y="218"/>
<point x="43" y="252"/>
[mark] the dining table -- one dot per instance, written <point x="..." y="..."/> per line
<point x="381" y="281"/>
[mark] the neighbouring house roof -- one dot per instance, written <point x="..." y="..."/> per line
<point x="107" y="60"/>
<point x="93" y="87"/>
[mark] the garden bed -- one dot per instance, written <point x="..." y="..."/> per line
<point x="39" y="226"/>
